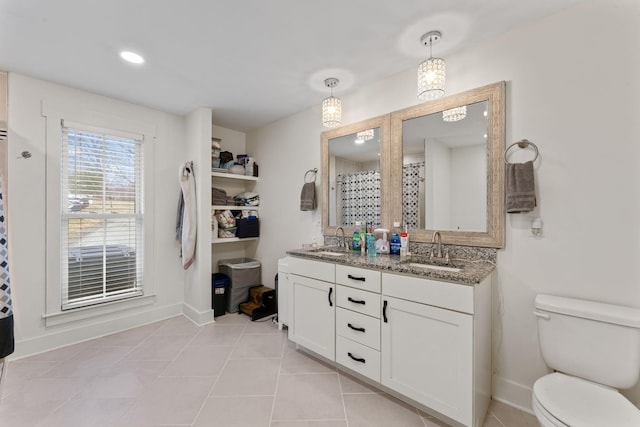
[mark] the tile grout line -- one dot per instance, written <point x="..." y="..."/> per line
<point x="275" y="393"/>
<point x="215" y="382"/>
<point x="496" y="417"/>
<point x="159" y="375"/>
<point x="344" y="405"/>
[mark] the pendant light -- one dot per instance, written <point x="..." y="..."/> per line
<point x="432" y="72"/>
<point x="331" y="106"/>
<point x="365" y="135"/>
<point x="454" y="114"/>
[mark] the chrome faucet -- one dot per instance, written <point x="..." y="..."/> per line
<point x="341" y="243"/>
<point x="437" y="257"/>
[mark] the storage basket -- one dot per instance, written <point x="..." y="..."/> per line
<point x="227" y="232"/>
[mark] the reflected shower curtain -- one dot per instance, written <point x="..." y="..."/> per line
<point x="361" y="198"/>
<point x="6" y="310"/>
<point x="411" y="194"/>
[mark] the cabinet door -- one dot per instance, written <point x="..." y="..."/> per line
<point x="312" y="315"/>
<point x="427" y="355"/>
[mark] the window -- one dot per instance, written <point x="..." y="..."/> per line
<point x="102" y="216"/>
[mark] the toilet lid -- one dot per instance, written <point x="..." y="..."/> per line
<point x="580" y="403"/>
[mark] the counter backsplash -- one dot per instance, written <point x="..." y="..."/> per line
<point x="470" y="253"/>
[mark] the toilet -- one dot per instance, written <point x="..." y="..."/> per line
<point x="594" y="349"/>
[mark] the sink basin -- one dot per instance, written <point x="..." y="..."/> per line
<point x="330" y="251"/>
<point x="434" y="267"/>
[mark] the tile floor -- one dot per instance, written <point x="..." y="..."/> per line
<point x="229" y="374"/>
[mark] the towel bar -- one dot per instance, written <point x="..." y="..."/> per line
<point x="522" y="144"/>
<point x="314" y="171"/>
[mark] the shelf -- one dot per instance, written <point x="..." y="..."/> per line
<point x="231" y="240"/>
<point x="234" y="208"/>
<point x="234" y="176"/>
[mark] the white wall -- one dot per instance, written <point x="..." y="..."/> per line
<point x="437" y="185"/>
<point x="468" y="189"/>
<point x="572" y="88"/>
<point x="28" y="211"/>
<point x="197" y="278"/>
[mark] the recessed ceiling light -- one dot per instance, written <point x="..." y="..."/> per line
<point x="131" y="57"/>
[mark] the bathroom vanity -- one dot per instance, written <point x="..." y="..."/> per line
<point x="422" y="334"/>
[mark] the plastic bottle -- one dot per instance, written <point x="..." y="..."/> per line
<point x="371" y="245"/>
<point x="395" y="243"/>
<point x="355" y="242"/>
<point x="363" y="238"/>
<point x="404" y="242"/>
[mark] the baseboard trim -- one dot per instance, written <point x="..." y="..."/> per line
<point x="200" y="318"/>
<point x="90" y="331"/>
<point x="512" y="394"/>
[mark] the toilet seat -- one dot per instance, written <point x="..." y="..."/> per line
<point x="544" y="417"/>
<point x="565" y="400"/>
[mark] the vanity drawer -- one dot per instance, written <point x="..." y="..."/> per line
<point x="358" y="327"/>
<point x="360" y="278"/>
<point x="358" y="358"/>
<point x="315" y="269"/>
<point x="361" y="301"/>
<point x="440" y="294"/>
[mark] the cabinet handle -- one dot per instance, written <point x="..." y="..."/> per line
<point x="357" y="359"/>
<point x="355" y="328"/>
<point x="329" y="297"/>
<point x="384" y="311"/>
<point x="360" y="279"/>
<point x="356" y="301"/>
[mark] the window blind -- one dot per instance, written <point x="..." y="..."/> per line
<point x="102" y="217"/>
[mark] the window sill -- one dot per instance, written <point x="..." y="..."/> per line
<point x="78" y="314"/>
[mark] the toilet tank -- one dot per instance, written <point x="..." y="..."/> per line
<point x="591" y="340"/>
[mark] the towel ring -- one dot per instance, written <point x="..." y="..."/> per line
<point x="522" y="144"/>
<point x="313" y="171"/>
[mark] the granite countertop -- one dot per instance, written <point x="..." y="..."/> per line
<point x="471" y="272"/>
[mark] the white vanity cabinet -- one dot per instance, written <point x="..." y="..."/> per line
<point x="436" y="344"/>
<point x="312" y="305"/>
<point x="426" y="340"/>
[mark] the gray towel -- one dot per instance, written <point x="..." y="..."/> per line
<point x="308" y="196"/>
<point x="520" y="188"/>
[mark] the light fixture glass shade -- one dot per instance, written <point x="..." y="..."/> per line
<point x="431" y="79"/>
<point x="454" y="114"/>
<point x="365" y="135"/>
<point x="332" y="112"/>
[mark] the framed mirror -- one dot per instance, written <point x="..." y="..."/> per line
<point x="355" y="175"/>
<point x="447" y="170"/>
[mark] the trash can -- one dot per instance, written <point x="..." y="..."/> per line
<point x="219" y="291"/>
<point x="244" y="273"/>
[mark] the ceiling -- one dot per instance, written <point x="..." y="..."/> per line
<point x="251" y="61"/>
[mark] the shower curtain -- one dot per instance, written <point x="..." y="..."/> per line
<point x="6" y="308"/>
<point x="361" y="198"/>
<point x="412" y="199"/>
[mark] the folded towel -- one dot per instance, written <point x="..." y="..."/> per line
<point x="308" y="196"/>
<point x="520" y="188"/>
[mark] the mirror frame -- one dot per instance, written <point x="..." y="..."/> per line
<point x="382" y="122"/>
<point x="495" y="95"/>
